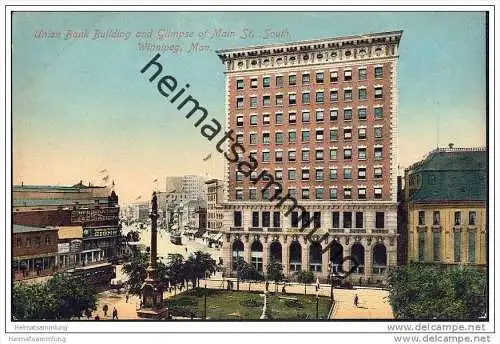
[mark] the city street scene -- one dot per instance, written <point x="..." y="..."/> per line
<point x="201" y="166"/>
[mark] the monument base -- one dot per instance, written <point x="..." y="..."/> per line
<point x="157" y="313"/>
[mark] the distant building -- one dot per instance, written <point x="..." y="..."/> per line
<point x="86" y="216"/>
<point x="215" y="211"/>
<point x="446" y="197"/>
<point x="192" y="186"/>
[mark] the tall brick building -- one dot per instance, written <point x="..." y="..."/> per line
<point x="320" y="118"/>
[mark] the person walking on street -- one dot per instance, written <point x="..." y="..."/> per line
<point x="356" y="300"/>
<point x="126" y="298"/>
<point x="267" y="285"/>
<point x="115" y="313"/>
<point x="105" y="310"/>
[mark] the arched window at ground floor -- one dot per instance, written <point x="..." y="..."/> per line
<point x="275" y="252"/>
<point x="256" y="255"/>
<point x="358" y="255"/>
<point x="315" y="260"/>
<point x="336" y="256"/>
<point x="379" y="259"/>
<point x="295" y="256"/>
<point x="238" y="249"/>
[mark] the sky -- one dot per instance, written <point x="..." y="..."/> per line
<point x="81" y="106"/>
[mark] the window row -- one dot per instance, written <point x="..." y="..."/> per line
<point x="319" y="78"/>
<point x="436" y="238"/>
<point x="305" y="136"/>
<point x="319" y="97"/>
<point x="318" y="193"/>
<point x="319" y="174"/>
<point x="318" y="154"/>
<point x="436" y="218"/>
<point x="305" y="219"/>
<point x="37" y="241"/>
<point x="319" y="116"/>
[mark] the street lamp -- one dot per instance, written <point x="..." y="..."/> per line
<point x="237" y="270"/>
<point x="330" y="276"/>
<point x="317" y="305"/>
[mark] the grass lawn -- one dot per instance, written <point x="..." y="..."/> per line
<point x="241" y="305"/>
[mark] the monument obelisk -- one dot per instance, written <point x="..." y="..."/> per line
<point x="152" y="291"/>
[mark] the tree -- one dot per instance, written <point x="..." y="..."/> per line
<point x="247" y="271"/>
<point x="133" y="236"/>
<point x="175" y="271"/>
<point x="275" y="273"/>
<point x="136" y="272"/>
<point x="305" y="277"/>
<point x="425" y="292"/>
<point x="60" y="298"/>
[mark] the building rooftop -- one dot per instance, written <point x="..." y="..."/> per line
<point x="54" y="188"/>
<point x="16" y="229"/>
<point x="56" y="202"/>
<point x="451" y="174"/>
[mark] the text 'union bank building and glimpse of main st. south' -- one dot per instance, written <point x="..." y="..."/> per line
<point x="320" y="118"/>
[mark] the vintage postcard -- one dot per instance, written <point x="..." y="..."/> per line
<point x="182" y="169"/>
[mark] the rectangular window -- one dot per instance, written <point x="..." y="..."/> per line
<point x="378" y="93"/>
<point x="347" y="153"/>
<point x="266" y="81"/>
<point x="292" y="117"/>
<point x="279" y="81"/>
<point x="237" y="219"/>
<point x="266" y="219"/>
<point x="239" y="176"/>
<point x="362" y="173"/>
<point x="266" y="156"/>
<point x="306" y="98"/>
<point x="362" y="133"/>
<point x="253" y="139"/>
<point x="305" y="174"/>
<point x="305" y="117"/>
<point x="279" y="99"/>
<point x="347" y="75"/>
<point x="252" y="194"/>
<point x="347" y="133"/>
<point x="319" y="134"/>
<point x="362" y="193"/>
<point x="319" y="175"/>
<point x="472" y="247"/>
<point x="306" y="79"/>
<point x="239" y="138"/>
<point x="279" y="118"/>
<point x="362" y="153"/>
<point x="276" y="219"/>
<point x="320" y="77"/>
<point x="436" y="245"/>
<point x="279" y="138"/>
<point x="362" y="74"/>
<point x="253" y="120"/>
<point x="379" y="72"/>
<point x="472" y="218"/>
<point x="347" y="219"/>
<point x="266" y="100"/>
<point x="305" y="195"/>
<point x="295" y="219"/>
<point x="379" y="220"/>
<point x="239" y="121"/>
<point x="278" y="175"/>
<point x="253" y="83"/>
<point x="255" y="219"/>
<point x="362" y="113"/>
<point x="266" y="119"/>
<point x="457" y="246"/>
<point x="335" y="219"/>
<point x="333" y="135"/>
<point x="334" y="114"/>
<point x="421" y="246"/>
<point x="359" y="219"/>
<point x="320" y="97"/>
<point x="292" y="155"/>
<point x="292" y="80"/>
<point x="334" y="96"/>
<point x="347" y="173"/>
<point x="378" y="153"/>
<point x="278" y="156"/>
<point x="362" y="94"/>
<point x="333" y="174"/>
<point x="292" y="99"/>
<point x="458" y="218"/>
<point x="240" y="84"/>
<point x="305" y="136"/>
<point x="320" y="116"/>
<point x="292" y="136"/>
<point x="239" y="195"/>
<point x="347" y="114"/>
<point x="333" y="154"/>
<point x="347" y="193"/>
<point x="378" y="132"/>
<point x="334" y="76"/>
<point x="319" y="155"/>
<point x="436" y="218"/>
<point x="265" y="138"/>
<point x="347" y="94"/>
<point x="421" y="218"/>
<point x="319" y="193"/>
<point x="377" y="172"/>
<point x="378" y="112"/>
<point x="333" y="193"/>
<point x="253" y="102"/>
<point x="239" y="102"/>
<point x="291" y="175"/>
<point x="377" y="192"/>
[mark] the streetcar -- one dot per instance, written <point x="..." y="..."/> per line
<point x="97" y="275"/>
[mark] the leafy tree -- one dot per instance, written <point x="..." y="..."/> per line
<point x="424" y="292"/>
<point x="275" y="273"/>
<point x="306" y="277"/>
<point x="136" y="272"/>
<point x="247" y="271"/>
<point x="60" y="298"/>
<point x="133" y="236"/>
<point x="175" y="272"/>
<point x="198" y="265"/>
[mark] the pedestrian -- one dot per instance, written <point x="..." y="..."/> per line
<point x="97" y="318"/>
<point x="267" y="285"/>
<point x="356" y="300"/>
<point x="105" y="310"/>
<point x="186" y="249"/>
<point x="126" y="298"/>
<point x="115" y="313"/>
<point x="283" y="290"/>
